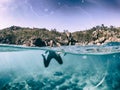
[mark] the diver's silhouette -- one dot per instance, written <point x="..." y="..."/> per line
<point x="51" y="55"/>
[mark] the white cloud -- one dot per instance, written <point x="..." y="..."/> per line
<point x="11" y="12"/>
<point x="4" y="5"/>
<point x="4" y="1"/>
<point x="4" y="12"/>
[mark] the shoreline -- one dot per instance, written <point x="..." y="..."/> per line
<point x="98" y="35"/>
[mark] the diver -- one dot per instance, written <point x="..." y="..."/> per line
<point x="71" y="40"/>
<point x="51" y="55"/>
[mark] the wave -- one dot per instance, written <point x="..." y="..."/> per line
<point x="111" y="47"/>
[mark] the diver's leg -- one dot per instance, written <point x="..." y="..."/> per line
<point x="46" y="61"/>
<point x="46" y="51"/>
<point x="59" y="59"/>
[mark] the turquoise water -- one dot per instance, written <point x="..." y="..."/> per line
<point x="83" y="68"/>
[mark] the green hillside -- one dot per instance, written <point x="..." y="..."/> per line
<point x="41" y="37"/>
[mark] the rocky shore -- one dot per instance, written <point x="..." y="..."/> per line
<point x="103" y="36"/>
<point x="42" y="37"/>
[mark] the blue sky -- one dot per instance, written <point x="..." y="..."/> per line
<point x="72" y="15"/>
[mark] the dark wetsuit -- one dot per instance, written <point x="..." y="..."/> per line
<point x="51" y="55"/>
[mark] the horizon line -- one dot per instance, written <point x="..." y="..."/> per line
<point x="32" y="27"/>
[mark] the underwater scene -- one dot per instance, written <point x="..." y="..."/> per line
<point x="60" y="68"/>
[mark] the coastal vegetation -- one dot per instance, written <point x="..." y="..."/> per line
<point x="42" y="36"/>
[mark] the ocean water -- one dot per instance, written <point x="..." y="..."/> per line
<point x="83" y="68"/>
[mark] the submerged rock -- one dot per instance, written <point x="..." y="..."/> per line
<point x="58" y="74"/>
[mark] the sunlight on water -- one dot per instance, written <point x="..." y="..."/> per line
<point x="83" y="68"/>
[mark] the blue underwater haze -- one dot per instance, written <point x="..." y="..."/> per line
<point x="83" y="68"/>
